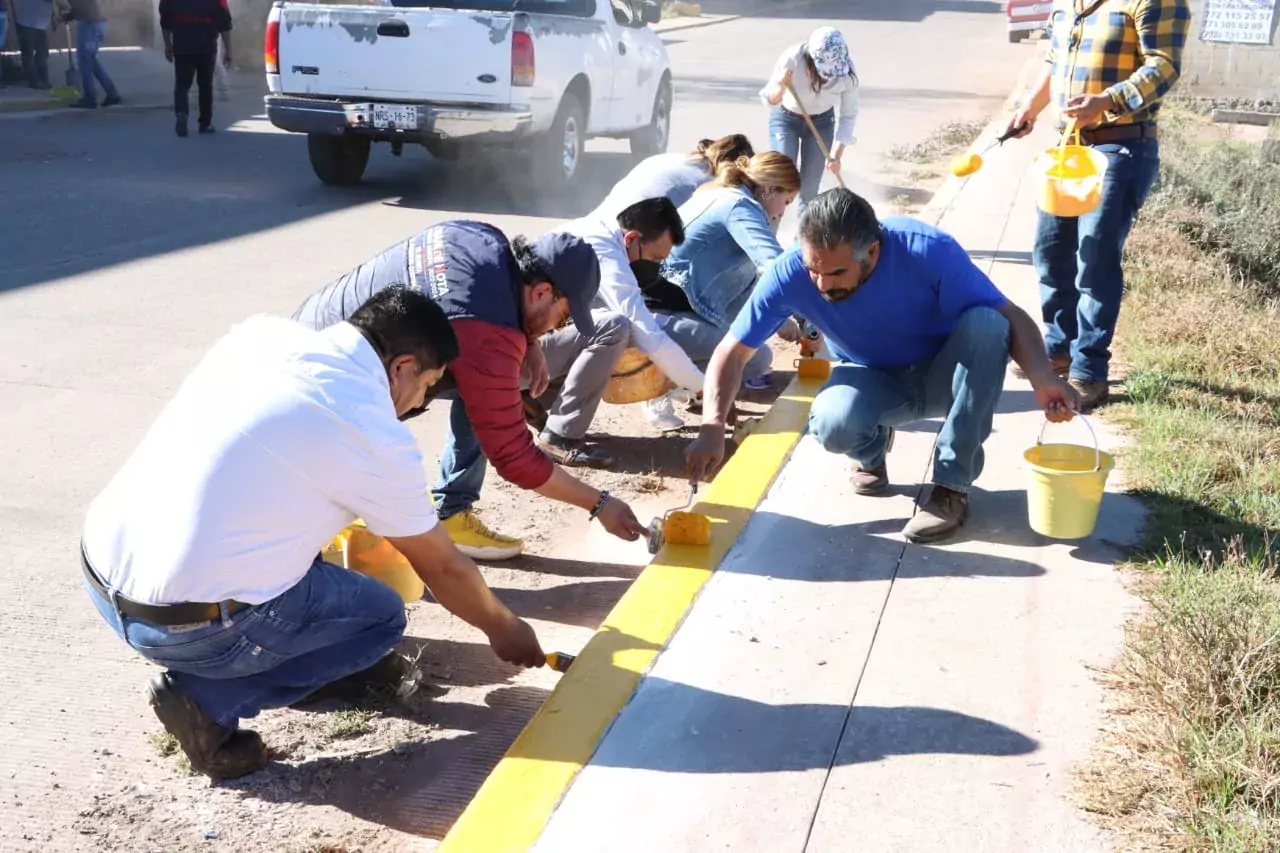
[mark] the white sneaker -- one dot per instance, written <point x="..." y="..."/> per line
<point x="661" y="414"/>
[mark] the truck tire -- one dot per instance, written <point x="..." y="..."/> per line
<point x="653" y="139"/>
<point x="557" y="157"/>
<point x="1015" y="36"/>
<point x="338" y="160"/>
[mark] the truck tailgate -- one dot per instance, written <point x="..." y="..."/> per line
<point x="410" y="54"/>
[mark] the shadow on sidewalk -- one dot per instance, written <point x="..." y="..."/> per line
<point x="719" y="733"/>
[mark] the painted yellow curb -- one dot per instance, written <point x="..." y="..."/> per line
<point x="509" y="812"/>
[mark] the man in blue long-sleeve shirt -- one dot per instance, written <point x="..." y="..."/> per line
<point x="191" y="29"/>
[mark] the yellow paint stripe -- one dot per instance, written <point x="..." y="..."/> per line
<point x="513" y="806"/>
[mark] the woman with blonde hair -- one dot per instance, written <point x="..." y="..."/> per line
<point x="728" y="242"/>
<point x="674" y="176"/>
<point x="820" y="72"/>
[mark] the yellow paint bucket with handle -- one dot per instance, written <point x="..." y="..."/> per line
<point x="1071" y="176"/>
<point x="362" y="551"/>
<point x="1067" y="483"/>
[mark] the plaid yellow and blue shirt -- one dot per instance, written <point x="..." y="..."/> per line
<point x="1130" y="50"/>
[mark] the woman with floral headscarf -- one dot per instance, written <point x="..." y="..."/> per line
<point x="824" y="78"/>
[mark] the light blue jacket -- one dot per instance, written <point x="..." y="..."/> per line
<point x="727" y="245"/>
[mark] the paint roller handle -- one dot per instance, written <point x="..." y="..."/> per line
<point x="822" y="146"/>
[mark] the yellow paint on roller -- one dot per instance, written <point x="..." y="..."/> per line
<point x="509" y="811"/>
<point x="966" y="164"/>
<point x="688" y="528"/>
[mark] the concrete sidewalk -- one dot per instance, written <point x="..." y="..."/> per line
<point x="835" y="688"/>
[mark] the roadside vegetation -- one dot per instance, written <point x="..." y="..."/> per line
<point x="1191" y="759"/>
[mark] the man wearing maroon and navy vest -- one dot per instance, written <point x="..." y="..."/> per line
<point x="501" y="297"/>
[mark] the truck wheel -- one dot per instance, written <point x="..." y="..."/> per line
<point x="559" y="154"/>
<point x="338" y="160"/>
<point x="653" y="139"/>
<point x="1015" y="36"/>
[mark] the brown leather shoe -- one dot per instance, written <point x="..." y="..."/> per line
<point x="939" y="517"/>
<point x="873" y="481"/>
<point x="573" y="452"/>
<point x="1093" y="393"/>
<point x="214" y="750"/>
<point x="1060" y="363"/>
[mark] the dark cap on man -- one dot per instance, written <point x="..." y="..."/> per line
<point x="574" y="271"/>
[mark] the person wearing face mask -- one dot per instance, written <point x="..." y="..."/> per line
<point x="918" y="331"/>
<point x="505" y="301"/>
<point x="203" y="551"/>
<point x="821" y="73"/>
<point x="729" y="242"/>
<point x="631" y="249"/>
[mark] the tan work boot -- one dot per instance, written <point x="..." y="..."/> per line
<point x="1060" y="364"/>
<point x="873" y="481"/>
<point x="1093" y="393"/>
<point x="939" y="517"/>
<point x="477" y="541"/>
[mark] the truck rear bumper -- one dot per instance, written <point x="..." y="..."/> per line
<point x="470" y="124"/>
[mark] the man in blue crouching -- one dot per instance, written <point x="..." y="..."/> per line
<point x="918" y="331"/>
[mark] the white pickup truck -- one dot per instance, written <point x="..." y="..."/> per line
<point x="540" y="76"/>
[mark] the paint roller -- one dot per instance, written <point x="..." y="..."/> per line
<point x="680" y="527"/>
<point x="969" y="162"/>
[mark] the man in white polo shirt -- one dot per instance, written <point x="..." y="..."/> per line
<point x="203" y="551"/>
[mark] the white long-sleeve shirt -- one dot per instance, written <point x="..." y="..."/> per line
<point x="841" y="92"/>
<point x="620" y="292"/>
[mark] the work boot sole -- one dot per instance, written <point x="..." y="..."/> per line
<point x="230" y="753"/>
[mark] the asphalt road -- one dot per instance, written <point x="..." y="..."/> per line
<point x="125" y="252"/>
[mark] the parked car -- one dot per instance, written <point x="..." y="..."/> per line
<point x="537" y="76"/>
<point x="1026" y="17"/>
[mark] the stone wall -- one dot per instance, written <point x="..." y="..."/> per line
<point x="137" y="22"/>
<point x="1235" y="72"/>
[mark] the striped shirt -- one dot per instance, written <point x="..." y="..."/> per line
<point x="1130" y="50"/>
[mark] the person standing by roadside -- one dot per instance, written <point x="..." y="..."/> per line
<point x="1110" y="63"/>
<point x="824" y="78"/>
<point x="32" y="19"/>
<point x="91" y="32"/>
<point x="191" y="30"/>
<point x="4" y="33"/>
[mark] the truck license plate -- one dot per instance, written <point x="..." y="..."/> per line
<point x="399" y="116"/>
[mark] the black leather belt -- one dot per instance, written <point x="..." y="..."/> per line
<point x="190" y="613"/>
<point x="1118" y="133"/>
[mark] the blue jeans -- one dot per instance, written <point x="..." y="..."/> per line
<point x="89" y="38"/>
<point x="462" y="465"/>
<point x="1078" y="261"/>
<point x="852" y="413"/>
<point x="699" y="340"/>
<point x="790" y="135"/>
<point x="330" y="624"/>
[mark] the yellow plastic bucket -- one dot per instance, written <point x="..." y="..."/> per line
<point x="369" y="554"/>
<point x="1071" y="177"/>
<point x="1067" y="482"/>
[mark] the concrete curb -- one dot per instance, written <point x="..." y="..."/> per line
<point x="513" y="806"/>
<point x="60" y="108"/>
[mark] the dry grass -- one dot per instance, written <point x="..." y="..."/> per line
<point x="1191" y="760"/>
<point x="349" y="723"/>
<point x="944" y="141"/>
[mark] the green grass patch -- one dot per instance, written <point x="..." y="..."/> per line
<point x="1192" y="758"/>
<point x="349" y="723"/>
<point x="943" y="141"/>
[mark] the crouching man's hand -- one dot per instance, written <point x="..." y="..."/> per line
<point x="516" y="643"/>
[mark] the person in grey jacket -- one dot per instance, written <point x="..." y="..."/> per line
<point x="91" y="32"/>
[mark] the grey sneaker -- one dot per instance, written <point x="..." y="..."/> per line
<point x="939" y="517"/>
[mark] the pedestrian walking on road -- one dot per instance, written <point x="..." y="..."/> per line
<point x="192" y="29"/>
<point x="918" y="331"/>
<point x="1108" y="70"/>
<point x="203" y="552"/>
<point x="822" y="74"/>
<point x="32" y="19"/>
<point x="91" y="32"/>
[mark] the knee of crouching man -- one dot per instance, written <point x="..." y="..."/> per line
<point x="983" y="324"/>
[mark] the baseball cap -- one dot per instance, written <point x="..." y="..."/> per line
<point x="829" y="52"/>
<point x="574" y="270"/>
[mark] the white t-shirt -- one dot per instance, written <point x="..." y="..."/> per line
<point x="279" y="438"/>
<point x="841" y="92"/>
<point x="620" y="293"/>
<point x="672" y="175"/>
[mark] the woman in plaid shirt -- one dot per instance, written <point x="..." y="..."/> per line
<point x="1110" y="63"/>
